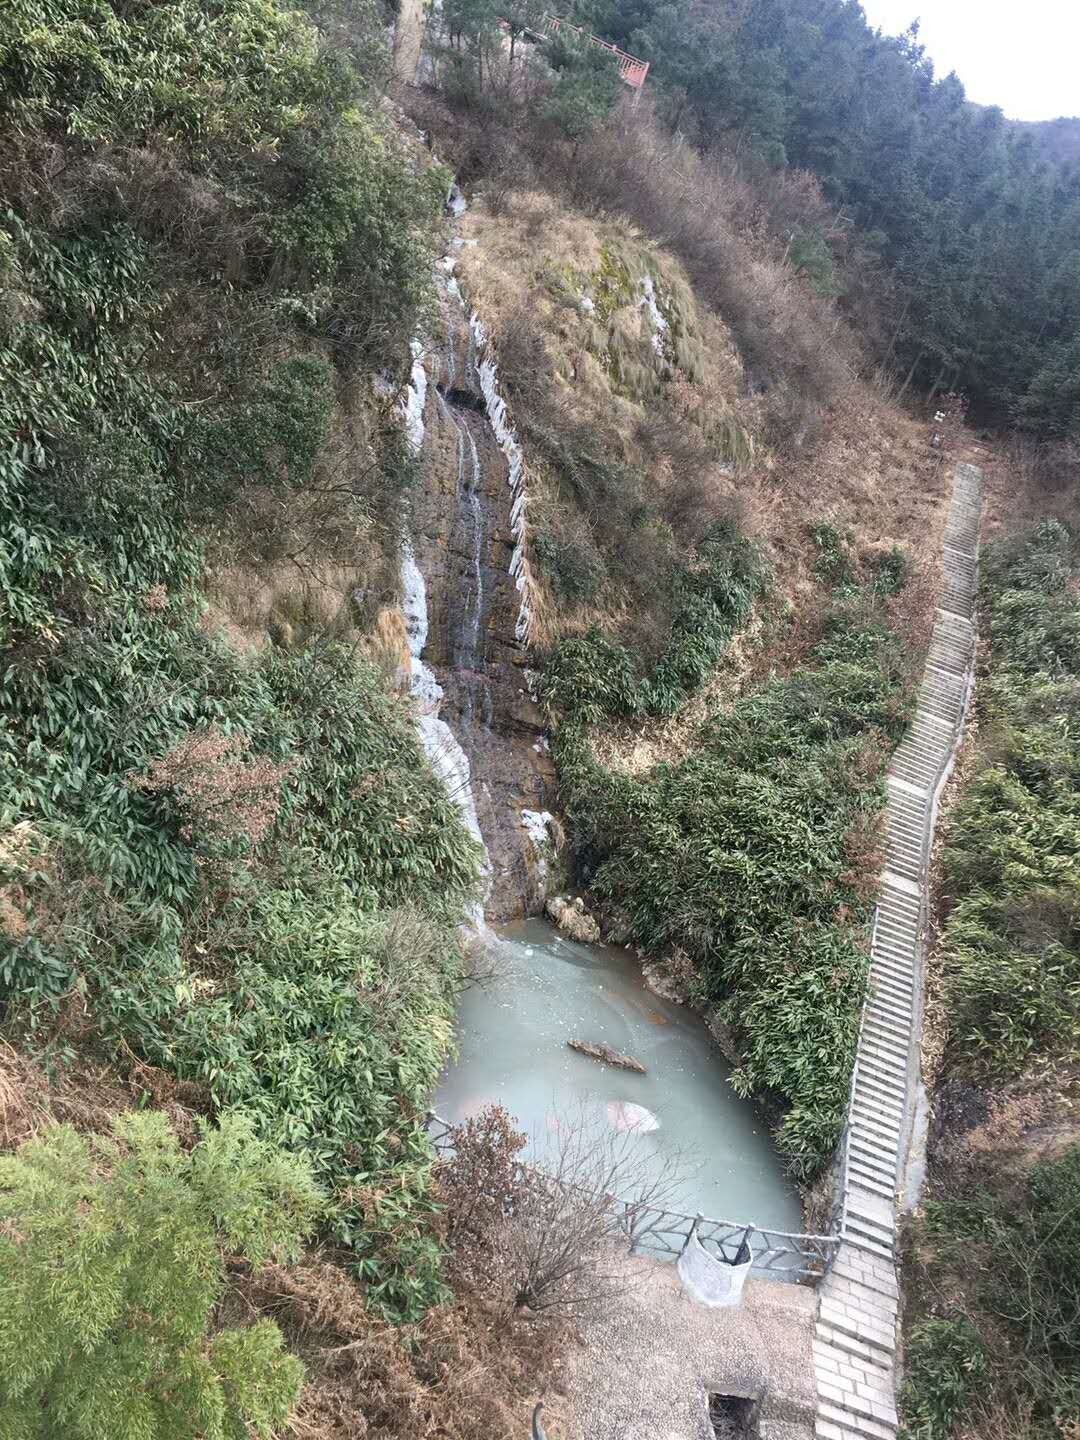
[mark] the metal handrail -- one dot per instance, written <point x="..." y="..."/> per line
<point x="840" y="1209"/>
<point x="631" y="69"/>
<point x="666" y="1232"/>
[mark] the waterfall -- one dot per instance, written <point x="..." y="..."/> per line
<point x="476" y="710"/>
<point x="445" y="755"/>
<point x="499" y="420"/>
<point x="467" y="646"/>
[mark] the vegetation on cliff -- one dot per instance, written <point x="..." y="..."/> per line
<point x="752" y="860"/>
<point x="224" y="856"/>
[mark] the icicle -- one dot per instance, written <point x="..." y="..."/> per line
<point x="416" y="399"/>
<point x="447" y="759"/>
<point x="487" y="370"/>
<point x="656" y="315"/>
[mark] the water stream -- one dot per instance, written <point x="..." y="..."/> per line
<point x="466" y="588"/>
<point x="547" y="989"/>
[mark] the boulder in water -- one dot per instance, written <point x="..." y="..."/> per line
<point x="574" y="920"/>
<point x="604" y="1053"/>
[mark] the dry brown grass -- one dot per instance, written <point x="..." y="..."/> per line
<point x="528" y="256"/>
<point x="281" y="601"/>
<point x="717" y="221"/>
<point x="466" y="1372"/>
<point x="87" y="1092"/>
<point x="871" y="471"/>
<point x="1024" y="482"/>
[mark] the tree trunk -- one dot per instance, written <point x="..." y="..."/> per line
<point x="910" y="374"/>
<point x="896" y="332"/>
<point x="937" y="383"/>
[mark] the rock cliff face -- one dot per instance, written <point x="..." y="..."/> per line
<point x="463" y="545"/>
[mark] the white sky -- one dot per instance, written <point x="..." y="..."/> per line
<point x="1023" y="55"/>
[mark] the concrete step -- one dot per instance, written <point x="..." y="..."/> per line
<point x="891" y="936"/>
<point x="871" y="1087"/>
<point x="847" y="1425"/>
<point x="870" y="1333"/>
<point x="865" y="1351"/>
<point x="886" y="1033"/>
<point x="856" y="1329"/>
<point x="871" y="1181"/>
<point x="890" y="1060"/>
<point x="893" y="954"/>
<point x="853" y="1236"/>
<point x="876" y="1152"/>
<point x="890" y="961"/>
<point x="890" y="1014"/>
<point x="893" y="1004"/>
<point x="867" y="1093"/>
<point x="896" y="924"/>
<point x="865" y="1117"/>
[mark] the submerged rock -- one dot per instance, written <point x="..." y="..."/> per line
<point x="599" y="1051"/>
<point x="572" y="918"/>
<point x="625" y="1115"/>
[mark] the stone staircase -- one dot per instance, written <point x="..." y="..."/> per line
<point x="856" y="1331"/>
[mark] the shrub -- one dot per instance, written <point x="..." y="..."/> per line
<point x="542" y="1236"/>
<point x="1009" y="1242"/>
<point x="221" y="796"/>
<point x="1011" y="947"/>
<point x="755" y="855"/>
<point x="833" y="563"/>
<point x="590" y="677"/>
<point x="112" y="1257"/>
<point x="576" y="571"/>
<point x="891" y="571"/>
<point x="208" y="226"/>
<point x="257" y="124"/>
<point x="946" y="1366"/>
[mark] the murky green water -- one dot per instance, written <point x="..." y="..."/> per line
<point x="512" y="1033"/>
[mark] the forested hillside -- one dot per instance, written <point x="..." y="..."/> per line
<point x="229" y="883"/>
<point x="971" y="224"/>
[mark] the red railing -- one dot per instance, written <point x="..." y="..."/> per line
<point x="632" y="70"/>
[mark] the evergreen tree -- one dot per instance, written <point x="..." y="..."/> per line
<point x="978" y="217"/>
<point x="111" y="1262"/>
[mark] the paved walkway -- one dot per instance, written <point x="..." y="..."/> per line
<point x="651" y="1355"/>
<point x="856" y="1332"/>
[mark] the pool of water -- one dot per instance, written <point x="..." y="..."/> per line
<point x="546" y="989"/>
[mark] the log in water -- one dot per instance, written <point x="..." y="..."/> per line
<point x="513" y="1032"/>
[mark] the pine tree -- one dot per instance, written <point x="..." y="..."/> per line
<point x="111" y="1261"/>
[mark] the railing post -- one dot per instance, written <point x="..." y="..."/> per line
<point x="698" y="1218"/>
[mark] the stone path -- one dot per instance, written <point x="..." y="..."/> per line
<point x="856" y="1331"/>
